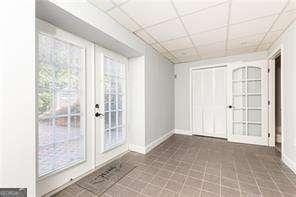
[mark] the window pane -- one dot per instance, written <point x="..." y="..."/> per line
<point x="254" y="73"/>
<point x="114" y="87"/>
<point x="60" y="136"/>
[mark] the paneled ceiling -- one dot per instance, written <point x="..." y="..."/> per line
<point x="189" y="30"/>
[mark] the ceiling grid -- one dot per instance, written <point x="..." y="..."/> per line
<point x="188" y="30"/>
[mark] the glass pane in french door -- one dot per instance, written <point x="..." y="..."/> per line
<point x="246" y="99"/>
<point x="114" y="99"/>
<point x="61" y="136"/>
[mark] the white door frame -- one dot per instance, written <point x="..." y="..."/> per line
<point x="191" y="69"/>
<point x="271" y="96"/>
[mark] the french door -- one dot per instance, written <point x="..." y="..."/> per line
<point x="247" y="84"/>
<point x="110" y="107"/>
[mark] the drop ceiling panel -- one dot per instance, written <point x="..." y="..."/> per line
<point x="180" y="43"/>
<point x="145" y="36"/>
<point x="264" y="46"/>
<point x="158" y="48"/>
<point x="257" y="26"/>
<point x="206" y="49"/>
<point x="252" y="40"/>
<point x="102" y="4"/>
<point x="190" y="6"/>
<point x="149" y="12"/>
<point x="123" y="19"/>
<point x="209" y="37"/>
<point x="168" y="30"/>
<point x="187" y="30"/>
<point x="291" y="6"/>
<point x="206" y="20"/>
<point x="249" y="49"/>
<point x="272" y="36"/>
<point x="183" y="53"/>
<point x="284" y="20"/>
<point x="119" y="2"/>
<point x="214" y="54"/>
<point x="243" y="10"/>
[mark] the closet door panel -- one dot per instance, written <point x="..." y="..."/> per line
<point x="197" y="102"/>
<point x="208" y="95"/>
<point x="208" y="121"/>
<point x="220" y="96"/>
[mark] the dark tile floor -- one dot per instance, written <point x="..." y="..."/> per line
<point x="188" y="166"/>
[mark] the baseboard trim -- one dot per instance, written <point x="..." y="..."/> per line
<point x="158" y="141"/>
<point x="149" y="147"/>
<point x="136" y="148"/>
<point x="182" y="132"/>
<point x="291" y="164"/>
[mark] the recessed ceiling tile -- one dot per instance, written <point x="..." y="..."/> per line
<point x="102" y="4"/>
<point x="158" y="48"/>
<point x="242" y="10"/>
<point x="241" y="42"/>
<point x="208" y="19"/>
<point x="168" y="55"/>
<point x="215" y="47"/>
<point x="144" y="36"/>
<point x="119" y="2"/>
<point x="189" y="6"/>
<point x="188" y="59"/>
<point x="243" y="50"/>
<point x="179" y="43"/>
<point x="168" y="30"/>
<point x="257" y="26"/>
<point x="264" y="46"/>
<point x="183" y="53"/>
<point x="291" y="6"/>
<point x="215" y="54"/>
<point x="149" y="12"/>
<point x="123" y="19"/>
<point x="284" y="20"/>
<point x="209" y="37"/>
<point x="272" y="36"/>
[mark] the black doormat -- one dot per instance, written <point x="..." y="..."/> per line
<point x="102" y="179"/>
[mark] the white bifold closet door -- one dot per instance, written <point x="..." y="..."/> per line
<point x="209" y="101"/>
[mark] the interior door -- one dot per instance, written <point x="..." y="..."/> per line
<point x="209" y="97"/>
<point x="247" y="82"/>
<point x="110" y="107"/>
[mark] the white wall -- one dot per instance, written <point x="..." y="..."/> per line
<point x="17" y="95"/>
<point x="182" y="83"/>
<point x="287" y="43"/>
<point x="159" y="88"/>
<point x="136" y="103"/>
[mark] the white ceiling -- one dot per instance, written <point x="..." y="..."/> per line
<point x="189" y="30"/>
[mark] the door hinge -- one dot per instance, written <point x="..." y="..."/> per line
<point x="268" y="70"/>
<point x="268" y="102"/>
<point x="268" y="134"/>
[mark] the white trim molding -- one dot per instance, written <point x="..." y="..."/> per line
<point x="137" y="148"/>
<point x="149" y="147"/>
<point x="182" y="132"/>
<point x="158" y="141"/>
<point x="290" y="163"/>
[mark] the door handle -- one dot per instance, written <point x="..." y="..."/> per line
<point x="97" y="114"/>
<point x="229" y="106"/>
